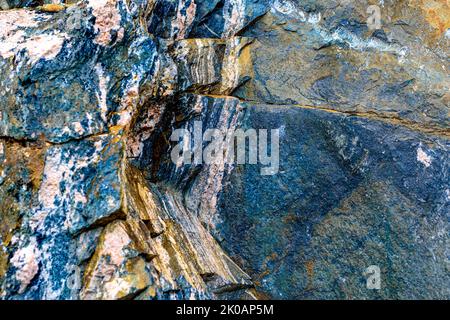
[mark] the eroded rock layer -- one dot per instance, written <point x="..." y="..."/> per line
<point x="92" y="205"/>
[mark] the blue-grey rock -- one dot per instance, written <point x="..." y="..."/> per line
<point x="59" y="80"/>
<point x="349" y="199"/>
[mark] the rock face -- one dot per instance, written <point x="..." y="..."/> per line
<point x="94" y="206"/>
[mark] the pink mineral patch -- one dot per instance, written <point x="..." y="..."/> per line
<point x="13" y="39"/>
<point x="107" y="19"/>
<point x="26" y="261"/>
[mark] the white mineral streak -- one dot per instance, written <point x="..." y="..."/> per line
<point x="107" y="19"/>
<point x="104" y="281"/>
<point x="114" y="288"/>
<point x="198" y="105"/>
<point x="234" y="15"/>
<point x="13" y="36"/>
<point x="284" y="7"/>
<point x="231" y="68"/>
<point x="54" y="171"/>
<point x="200" y="61"/>
<point x="423" y="158"/>
<point x="202" y="71"/>
<point x="197" y="246"/>
<point x="167" y="75"/>
<point x="414" y="57"/>
<point x="355" y="42"/>
<point x="202" y="68"/>
<point x="183" y="20"/>
<point x="215" y="173"/>
<point x="48" y="264"/>
<point x="103" y="90"/>
<point x="26" y="261"/>
<point x="182" y="51"/>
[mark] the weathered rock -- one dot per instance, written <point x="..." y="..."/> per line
<point x="21" y="168"/>
<point x="386" y="182"/>
<point x="60" y="81"/>
<point x="351" y="192"/>
<point x="115" y="271"/>
<point x="93" y="205"/>
<point x="362" y="125"/>
<point x="190" y="262"/>
<point x="322" y="58"/>
<point x="181" y="19"/>
<point x="212" y="66"/>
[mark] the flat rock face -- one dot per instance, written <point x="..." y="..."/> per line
<point x="349" y="200"/>
<point x="351" y="192"/>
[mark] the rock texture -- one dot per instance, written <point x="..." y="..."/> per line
<point x="93" y="207"/>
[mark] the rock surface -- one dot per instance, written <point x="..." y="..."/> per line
<point x="94" y="207"/>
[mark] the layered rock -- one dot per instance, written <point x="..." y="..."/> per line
<point x="87" y="224"/>
<point x="94" y="207"/>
